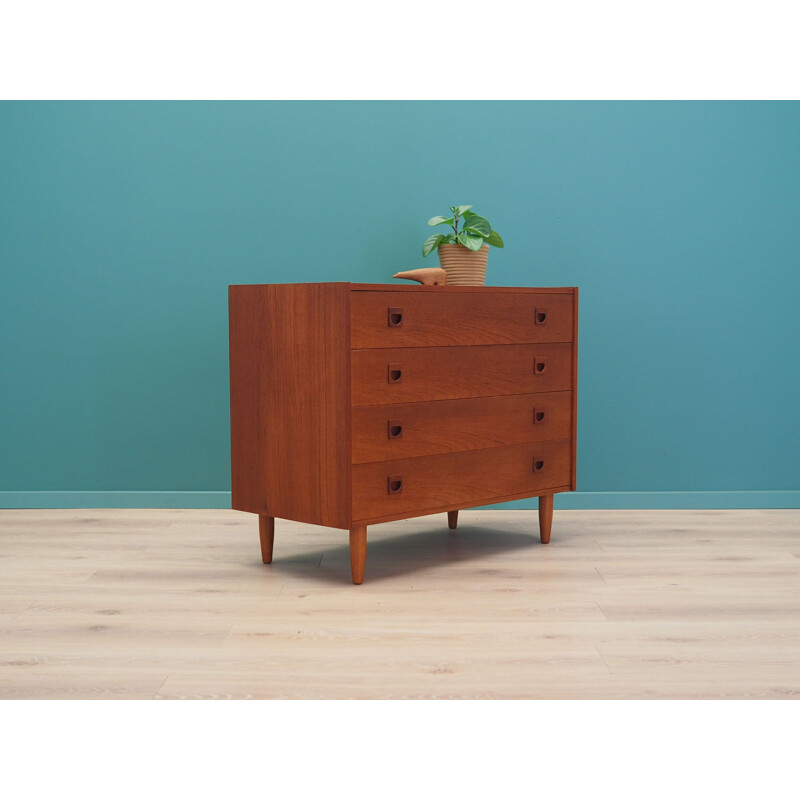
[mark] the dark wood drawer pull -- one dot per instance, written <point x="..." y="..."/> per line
<point x="540" y="316"/>
<point x="395" y="373"/>
<point x="538" y="415"/>
<point x="395" y="484"/>
<point x="395" y="317"/>
<point x="539" y="365"/>
<point x="395" y="428"/>
<point x="538" y="464"/>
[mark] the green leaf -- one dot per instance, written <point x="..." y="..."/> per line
<point x="432" y="242"/>
<point x="494" y="239"/>
<point x="440" y="221"/>
<point x="468" y="214"/>
<point x="459" y="210"/>
<point x="479" y="225"/>
<point x="470" y="242"/>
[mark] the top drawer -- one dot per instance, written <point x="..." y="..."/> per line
<point x="430" y="319"/>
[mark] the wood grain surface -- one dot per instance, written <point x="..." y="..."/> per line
<point x="622" y="604"/>
<point x="404" y="430"/>
<point x="442" y="319"/>
<point x="447" y="388"/>
<point x="290" y="405"/>
<point x="545" y="517"/>
<point x="459" y="479"/>
<point x="442" y="373"/>
<point x="453" y="290"/>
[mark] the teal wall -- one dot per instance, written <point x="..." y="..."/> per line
<point x="121" y="224"/>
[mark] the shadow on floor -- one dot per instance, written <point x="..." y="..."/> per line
<point x="391" y="553"/>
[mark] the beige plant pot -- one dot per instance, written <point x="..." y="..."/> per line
<point x="464" y="267"/>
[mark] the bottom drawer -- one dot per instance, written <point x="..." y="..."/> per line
<point x="453" y="480"/>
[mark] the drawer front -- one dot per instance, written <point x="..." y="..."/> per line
<point x="405" y="319"/>
<point x="405" y="430"/>
<point x="454" y="480"/>
<point x="412" y="374"/>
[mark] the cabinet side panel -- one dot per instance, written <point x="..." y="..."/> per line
<point x="290" y="391"/>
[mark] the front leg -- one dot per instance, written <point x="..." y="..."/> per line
<point x="545" y="517"/>
<point x="266" y="532"/>
<point x="358" y="552"/>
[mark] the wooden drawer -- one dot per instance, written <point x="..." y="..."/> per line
<point x="405" y="319"/>
<point x="412" y="374"/>
<point x="456" y="480"/>
<point x="405" y="430"/>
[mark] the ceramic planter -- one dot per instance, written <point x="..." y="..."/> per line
<point x="464" y="267"/>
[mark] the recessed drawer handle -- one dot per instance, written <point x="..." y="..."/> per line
<point x="395" y="373"/>
<point x="539" y="365"/>
<point x="395" y="428"/>
<point x="538" y="415"/>
<point x="395" y="317"/>
<point x="538" y="464"/>
<point x="395" y="484"/>
<point x="540" y="315"/>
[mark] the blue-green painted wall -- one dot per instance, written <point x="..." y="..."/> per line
<point x="121" y="224"/>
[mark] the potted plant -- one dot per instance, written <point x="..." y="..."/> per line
<point x="463" y="253"/>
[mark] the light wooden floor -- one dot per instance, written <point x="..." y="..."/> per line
<point x="621" y="604"/>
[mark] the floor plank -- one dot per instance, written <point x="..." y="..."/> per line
<point x="622" y="604"/>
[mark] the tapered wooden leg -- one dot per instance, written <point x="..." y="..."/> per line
<point x="266" y="532"/>
<point x="452" y="520"/>
<point x="545" y="517"/>
<point x="358" y="552"/>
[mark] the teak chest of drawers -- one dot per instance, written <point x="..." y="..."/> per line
<point x="353" y="404"/>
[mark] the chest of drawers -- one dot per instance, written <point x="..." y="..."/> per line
<point x="355" y="404"/>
